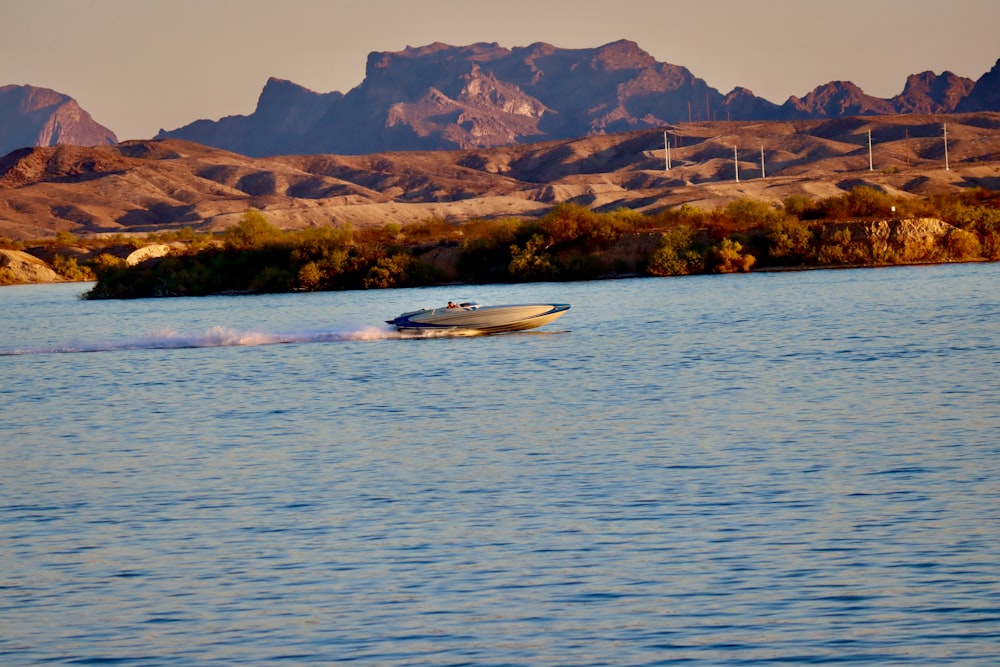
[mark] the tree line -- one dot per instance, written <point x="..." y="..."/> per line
<point x="570" y="242"/>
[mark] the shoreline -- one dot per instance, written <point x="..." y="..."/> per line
<point x="603" y="278"/>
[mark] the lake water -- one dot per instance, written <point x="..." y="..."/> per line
<point x="749" y="469"/>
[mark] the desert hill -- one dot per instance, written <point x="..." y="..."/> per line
<point x="147" y="186"/>
<point x="443" y="97"/>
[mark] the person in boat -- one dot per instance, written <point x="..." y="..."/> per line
<point x="452" y="304"/>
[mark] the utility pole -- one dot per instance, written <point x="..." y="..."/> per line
<point x="907" y="148"/>
<point x="736" y="163"/>
<point x="762" y="175"/>
<point x="946" y="168"/>
<point x="871" y="167"/>
<point x="666" y="150"/>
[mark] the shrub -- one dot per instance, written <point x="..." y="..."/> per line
<point x="432" y="229"/>
<point x="831" y="249"/>
<point x="677" y="254"/>
<point x="65" y="238"/>
<point x="728" y="257"/>
<point x="391" y="271"/>
<point x="991" y="245"/>
<point x="685" y="215"/>
<point x="801" y="207"/>
<point x="963" y="245"/>
<point x="70" y="269"/>
<point x="582" y="267"/>
<point x="752" y="213"/>
<point x="578" y="225"/>
<point x="253" y="231"/>
<point x="869" y="203"/>
<point x="491" y="232"/>
<point x="564" y="222"/>
<point x="105" y="263"/>
<point x="860" y="202"/>
<point x="272" y="279"/>
<point x="485" y="253"/>
<point x="606" y="228"/>
<point x="787" y="240"/>
<point x="310" y="276"/>
<point x="531" y="262"/>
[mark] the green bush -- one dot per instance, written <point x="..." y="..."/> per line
<point x="753" y="213"/>
<point x="801" y="207"/>
<point x="788" y="240"/>
<point x="253" y="231"/>
<point x="65" y="238"/>
<point x="310" y="277"/>
<point x="683" y="215"/>
<point x="860" y="202"/>
<point x="531" y="262"/>
<point x="678" y="253"/>
<point x="70" y="269"/>
<point x="105" y="263"/>
<point x="869" y="203"/>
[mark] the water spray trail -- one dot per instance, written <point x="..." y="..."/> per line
<point x="214" y="337"/>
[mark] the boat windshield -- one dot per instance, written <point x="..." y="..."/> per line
<point x="469" y="305"/>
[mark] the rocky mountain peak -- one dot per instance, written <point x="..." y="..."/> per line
<point x="623" y="54"/>
<point x="280" y="95"/>
<point x="276" y="88"/>
<point x="985" y="94"/>
<point x="928" y="92"/>
<point x="32" y="116"/>
<point x="835" y="100"/>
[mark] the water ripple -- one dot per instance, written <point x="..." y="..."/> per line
<point x="784" y="469"/>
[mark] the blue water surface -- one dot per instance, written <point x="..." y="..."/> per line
<point x="751" y="469"/>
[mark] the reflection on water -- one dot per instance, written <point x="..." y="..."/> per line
<point x="718" y="470"/>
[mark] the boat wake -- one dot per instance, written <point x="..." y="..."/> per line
<point x="217" y="337"/>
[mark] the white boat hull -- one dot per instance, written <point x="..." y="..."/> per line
<point x="481" y="319"/>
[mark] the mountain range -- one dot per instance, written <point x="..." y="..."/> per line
<point x="137" y="187"/>
<point x="443" y="97"/>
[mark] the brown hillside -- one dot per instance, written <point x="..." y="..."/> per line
<point x="139" y="187"/>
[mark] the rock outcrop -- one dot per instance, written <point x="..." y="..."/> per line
<point x="19" y="267"/>
<point x="154" y="251"/>
<point x="905" y="240"/>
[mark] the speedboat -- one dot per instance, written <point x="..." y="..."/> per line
<point x="469" y="316"/>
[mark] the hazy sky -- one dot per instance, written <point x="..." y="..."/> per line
<point x="141" y="65"/>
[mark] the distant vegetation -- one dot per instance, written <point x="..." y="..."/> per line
<point x="571" y="242"/>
